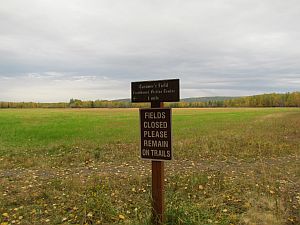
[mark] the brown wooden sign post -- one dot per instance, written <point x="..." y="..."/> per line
<point x="156" y="137"/>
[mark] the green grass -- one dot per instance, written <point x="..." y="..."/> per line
<point x="82" y="166"/>
<point x="38" y="128"/>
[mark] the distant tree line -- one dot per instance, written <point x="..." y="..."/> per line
<point x="264" y="100"/>
<point x="33" y="105"/>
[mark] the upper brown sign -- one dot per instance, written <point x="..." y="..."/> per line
<point x="155" y="91"/>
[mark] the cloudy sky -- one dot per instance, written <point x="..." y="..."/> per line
<point x="54" y="50"/>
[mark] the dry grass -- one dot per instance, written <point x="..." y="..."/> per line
<point x="230" y="167"/>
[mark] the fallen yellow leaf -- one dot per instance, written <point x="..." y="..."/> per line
<point x="121" y="217"/>
<point x="5" y="215"/>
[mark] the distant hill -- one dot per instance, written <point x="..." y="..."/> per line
<point x="122" y="100"/>
<point x="206" y="99"/>
<point x="193" y="99"/>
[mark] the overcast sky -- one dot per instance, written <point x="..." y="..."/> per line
<point x="54" y="50"/>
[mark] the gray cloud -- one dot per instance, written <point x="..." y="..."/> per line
<point x="49" y="88"/>
<point x="96" y="48"/>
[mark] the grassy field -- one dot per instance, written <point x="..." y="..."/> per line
<point x="82" y="166"/>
